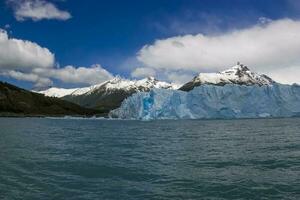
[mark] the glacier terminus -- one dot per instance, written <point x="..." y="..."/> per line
<point x="234" y="93"/>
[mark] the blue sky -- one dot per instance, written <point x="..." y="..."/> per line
<point x="111" y="32"/>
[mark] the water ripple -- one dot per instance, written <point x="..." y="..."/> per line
<point x="101" y="159"/>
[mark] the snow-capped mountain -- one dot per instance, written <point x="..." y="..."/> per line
<point x="61" y="92"/>
<point x="57" y="92"/>
<point x="116" y="83"/>
<point x="119" y="83"/>
<point x="109" y="94"/>
<point x="239" y="74"/>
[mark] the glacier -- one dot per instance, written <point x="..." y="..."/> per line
<point x="213" y="102"/>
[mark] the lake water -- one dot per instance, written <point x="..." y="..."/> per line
<point x="102" y="159"/>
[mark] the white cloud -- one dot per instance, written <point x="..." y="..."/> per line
<point x="143" y="72"/>
<point x="264" y="47"/>
<point x="27" y="61"/>
<point x="264" y="20"/>
<point x="38" y="80"/>
<point x="287" y="75"/>
<point x="19" y="57"/>
<point x="42" y="77"/>
<point x="69" y="74"/>
<point x="37" y="10"/>
<point x="22" y="54"/>
<point x="179" y="77"/>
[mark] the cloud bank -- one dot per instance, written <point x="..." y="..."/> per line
<point x="142" y="72"/>
<point x="37" y="10"/>
<point x="80" y="75"/>
<point x="27" y="61"/>
<point x="270" y="48"/>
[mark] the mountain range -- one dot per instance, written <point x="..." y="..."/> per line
<point x="109" y="95"/>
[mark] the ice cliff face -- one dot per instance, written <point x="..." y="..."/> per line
<point x="212" y="101"/>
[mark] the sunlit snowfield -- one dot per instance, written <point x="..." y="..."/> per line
<point x="102" y="159"/>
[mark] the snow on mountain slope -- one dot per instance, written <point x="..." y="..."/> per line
<point x="61" y="92"/>
<point x="119" y="83"/>
<point x="116" y="83"/>
<point x="110" y="94"/>
<point x="57" y="92"/>
<point x="239" y="74"/>
<point x="212" y="101"/>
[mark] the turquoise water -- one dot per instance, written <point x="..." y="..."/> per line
<point x="101" y="159"/>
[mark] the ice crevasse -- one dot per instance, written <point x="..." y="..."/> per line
<point x="213" y="102"/>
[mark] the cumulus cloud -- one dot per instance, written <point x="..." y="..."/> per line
<point x="178" y="77"/>
<point x="43" y="77"/>
<point x="264" y="20"/>
<point x="266" y="47"/>
<point x="286" y="75"/>
<point x="22" y="54"/>
<point x="70" y="74"/>
<point x="37" y="10"/>
<point x="19" y="57"/>
<point x="142" y="72"/>
<point x="27" y="61"/>
<point x="39" y="81"/>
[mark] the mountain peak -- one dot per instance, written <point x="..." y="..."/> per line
<point x="239" y="74"/>
<point x="151" y="78"/>
<point x="239" y="68"/>
<point x="116" y="79"/>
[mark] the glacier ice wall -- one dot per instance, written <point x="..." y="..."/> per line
<point x="213" y="102"/>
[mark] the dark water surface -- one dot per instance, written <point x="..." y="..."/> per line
<point x="101" y="159"/>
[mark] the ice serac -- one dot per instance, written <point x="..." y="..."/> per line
<point x="212" y="102"/>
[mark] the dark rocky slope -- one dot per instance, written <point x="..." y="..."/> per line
<point x="15" y="101"/>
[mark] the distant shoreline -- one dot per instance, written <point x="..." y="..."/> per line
<point x="21" y="115"/>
